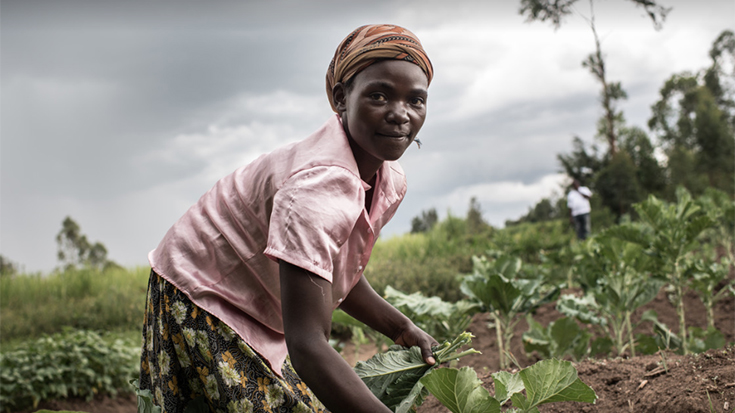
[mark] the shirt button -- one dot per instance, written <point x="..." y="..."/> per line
<point x="360" y="268"/>
<point x="340" y="300"/>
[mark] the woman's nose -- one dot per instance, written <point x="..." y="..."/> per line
<point x="397" y="113"/>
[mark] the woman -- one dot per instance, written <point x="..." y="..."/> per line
<point x="252" y="272"/>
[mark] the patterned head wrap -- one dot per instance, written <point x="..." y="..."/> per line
<point x="370" y="43"/>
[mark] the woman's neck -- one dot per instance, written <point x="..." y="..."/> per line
<point x="369" y="193"/>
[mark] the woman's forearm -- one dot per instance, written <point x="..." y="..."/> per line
<point x="366" y="305"/>
<point x="332" y="379"/>
<point x="306" y="304"/>
<point x="369" y="307"/>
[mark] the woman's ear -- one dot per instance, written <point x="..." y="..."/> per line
<point x="339" y="95"/>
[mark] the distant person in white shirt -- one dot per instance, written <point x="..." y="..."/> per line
<point x="578" y="201"/>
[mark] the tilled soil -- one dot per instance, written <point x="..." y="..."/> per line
<point x="689" y="384"/>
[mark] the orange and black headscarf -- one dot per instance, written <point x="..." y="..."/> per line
<point x="370" y="43"/>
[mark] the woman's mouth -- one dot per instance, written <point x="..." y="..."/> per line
<point x="394" y="135"/>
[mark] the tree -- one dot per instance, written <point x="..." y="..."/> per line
<point x="722" y="54"/>
<point x="649" y="173"/>
<point x="582" y="164"/>
<point x="425" y="222"/>
<point x="475" y="223"/>
<point x="555" y="10"/>
<point x="75" y="250"/>
<point x="694" y="121"/>
<point x="618" y="185"/>
<point x="542" y="211"/>
<point x="7" y="268"/>
<point x="611" y="92"/>
<point x="616" y="176"/>
<point x="547" y="209"/>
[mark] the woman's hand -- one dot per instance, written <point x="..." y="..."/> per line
<point x="366" y="305"/>
<point x="414" y="336"/>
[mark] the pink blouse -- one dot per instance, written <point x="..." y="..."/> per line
<point x="303" y="203"/>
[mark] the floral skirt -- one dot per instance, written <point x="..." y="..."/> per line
<point x="189" y="355"/>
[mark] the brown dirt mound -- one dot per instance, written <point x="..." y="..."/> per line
<point x="642" y="385"/>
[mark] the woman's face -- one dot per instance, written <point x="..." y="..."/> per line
<point x="383" y="110"/>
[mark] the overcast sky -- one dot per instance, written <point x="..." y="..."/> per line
<point x="121" y="114"/>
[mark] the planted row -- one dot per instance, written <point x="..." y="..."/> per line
<point x="76" y="363"/>
<point x="401" y="380"/>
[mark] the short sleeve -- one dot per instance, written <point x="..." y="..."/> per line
<point x="313" y="215"/>
<point x="585" y="191"/>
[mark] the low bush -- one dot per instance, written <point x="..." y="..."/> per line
<point x="74" y="363"/>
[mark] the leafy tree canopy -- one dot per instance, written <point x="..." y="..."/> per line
<point x="694" y="121"/>
<point x="424" y="222"/>
<point x="7" y="267"/>
<point x="74" y="250"/>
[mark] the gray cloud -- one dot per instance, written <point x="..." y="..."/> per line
<point x="121" y="114"/>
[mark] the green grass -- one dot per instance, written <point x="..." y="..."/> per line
<point x="33" y="305"/>
<point x="114" y="300"/>
<point x="430" y="262"/>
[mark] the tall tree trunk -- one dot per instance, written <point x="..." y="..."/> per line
<point x="596" y="64"/>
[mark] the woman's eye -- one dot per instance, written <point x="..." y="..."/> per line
<point x="377" y="96"/>
<point x="418" y="101"/>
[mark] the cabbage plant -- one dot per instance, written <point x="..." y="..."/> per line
<point x="499" y="290"/>
<point x="668" y="234"/>
<point x="544" y="382"/>
<point x="560" y="338"/>
<point x="615" y="277"/>
<point x="442" y="320"/>
<point x="401" y="380"/>
<point x="705" y="278"/>
<point x="394" y="376"/>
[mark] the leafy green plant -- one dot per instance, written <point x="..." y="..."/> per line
<point x="702" y="340"/>
<point x="145" y="399"/>
<point x="146" y="404"/>
<point x="705" y="278"/>
<point x="613" y="273"/>
<point x="668" y="233"/>
<point x="560" y="263"/>
<point x="662" y="339"/>
<point x="394" y="376"/>
<point x="698" y="340"/>
<point x="544" y="382"/>
<point x="560" y="338"/>
<point x="440" y="319"/>
<point x="721" y="208"/>
<point x="74" y="363"/>
<point x="460" y="391"/>
<point x="496" y="287"/>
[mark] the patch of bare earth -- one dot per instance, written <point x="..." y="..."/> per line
<point x="625" y="384"/>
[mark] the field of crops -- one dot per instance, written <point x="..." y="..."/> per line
<point x="645" y="310"/>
